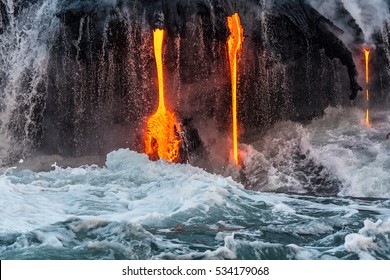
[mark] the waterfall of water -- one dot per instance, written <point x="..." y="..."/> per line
<point x="24" y="56"/>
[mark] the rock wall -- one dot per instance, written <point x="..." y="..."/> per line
<point x="100" y="85"/>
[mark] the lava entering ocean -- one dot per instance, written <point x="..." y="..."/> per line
<point x="235" y="42"/>
<point x="162" y="138"/>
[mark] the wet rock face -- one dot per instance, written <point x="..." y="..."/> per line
<point x="3" y="17"/>
<point x="322" y="34"/>
<point x="179" y="12"/>
<point x="102" y="71"/>
<point x="380" y="67"/>
<point x="101" y="82"/>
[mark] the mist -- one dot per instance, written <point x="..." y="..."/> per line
<point x="369" y="15"/>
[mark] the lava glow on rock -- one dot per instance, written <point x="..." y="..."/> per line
<point x="162" y="139"/>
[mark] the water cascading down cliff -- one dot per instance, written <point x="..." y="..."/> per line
<point x="80" y="79"/>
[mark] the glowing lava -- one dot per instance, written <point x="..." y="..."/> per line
<point x="367" y="60"/>
<point x="162" y="137"/>
<point x="235" y="41"/>
<point x="367" y="55"/>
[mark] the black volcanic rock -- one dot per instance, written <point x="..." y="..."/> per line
<point x="100" y="86"/>
<point x="102" y="69"/>
<point x="380" y="65"/>
<point x="3" y="17"/>
<point x="178" y="12"/>
<point x="322" y="31"/>
<point x="193" y="150"/>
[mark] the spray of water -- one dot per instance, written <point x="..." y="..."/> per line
<point x="24" y="52"/>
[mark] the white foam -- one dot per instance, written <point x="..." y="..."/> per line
<point x="26" y="207"/>
<point x="130" y="188"/>
<point x="372" y="237"/>
<point x="357" y="243"/>
<point x="355" y="155"/>
<point x="359" y="156"/>
<point x="282" y="208"/>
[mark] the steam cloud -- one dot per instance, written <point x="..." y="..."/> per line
<point x="369" y="15"/>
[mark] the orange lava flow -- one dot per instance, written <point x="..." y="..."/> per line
<point x="162" y="139"/>
<point x="367" y="55"/>
<point x="367" y="60"/>
<point x="235" y="42"/>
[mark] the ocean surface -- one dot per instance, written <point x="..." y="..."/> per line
<point x="315" y="191"/>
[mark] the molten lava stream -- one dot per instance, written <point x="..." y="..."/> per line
<point x="367" y="56"/>
<point x="162" y="139"/>
<point x="367" y="60"/>
<point x="235" y="41"/>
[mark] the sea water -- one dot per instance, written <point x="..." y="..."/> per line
<point x="317" y="191"/>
